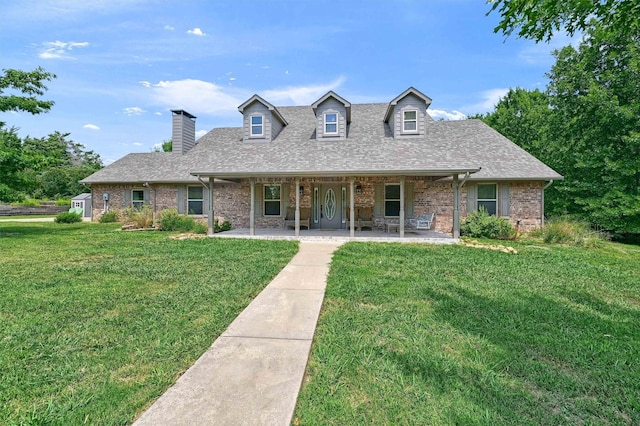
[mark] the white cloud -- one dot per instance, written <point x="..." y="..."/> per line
<point x="301" y="95"/>
<point x="145" y="83"/>
<point x="157" y="113"/>
<point x="232" y="79"/>
<point x="137" y="143"/>
<point x="453" y="115"/>
<point x="91" y="127"/>
<point x="197" y="95"/>
<point x="203" y="97"/>
<point x="169" y="28"/>
<point x="488" y="100"/>
<point x="133" y="111"/>
<point x="201" y="133"/>
<point x="196" y="31"/>
<point x="59" y="49"/>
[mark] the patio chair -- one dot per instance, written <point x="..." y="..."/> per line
<point x="365" y="218"/>
<point x="423" y="221"/>
<point x="290" y="218"/>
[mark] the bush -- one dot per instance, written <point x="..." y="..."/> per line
<point x="68" y="217"/>
<point x="479" y="224"/>
<point x="30" y="202"/>
<point x="109" y="217"/>
<point x="171" y="220"/>
<point x="565" y="230"/>
<point x="63" y="202"/>
<point x="200" y="228"/>
<point x="217" y="227"/>
<point x="141" y="218"/>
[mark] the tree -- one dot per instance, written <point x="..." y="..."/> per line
<point x="523" y="116"/>
<point x="56" y="164"/>
<point x="167" y="146"/>
<point x="540" y="19"/>
<point x="596" y="102"/>
<point x="30" y="84"/>
<point x="586" y="127"/>
<point x="12" y="161"/>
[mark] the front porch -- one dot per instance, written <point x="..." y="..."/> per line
<point x="341" y="235"/>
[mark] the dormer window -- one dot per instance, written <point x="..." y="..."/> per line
<point x="257" y="125"/>
<point x="410" y="121"/>
<point x="331" y="123"/>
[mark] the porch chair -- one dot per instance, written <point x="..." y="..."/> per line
<point x="290" y="218"/>
<point x="423" y="221"/>
<point x="365" y="218"/>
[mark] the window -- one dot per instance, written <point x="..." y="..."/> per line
<point x="272" y="200"/>
<point x="410" y="121"/>
<point x="330" y="123"/>
<point x="487" y="197"/>
<point x="195" y="199"/>
<point x="257" y="126"/>
<point x="392" y="200"/>
<point x="137" y="198"/>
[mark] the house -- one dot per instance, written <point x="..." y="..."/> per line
<point x="334" y="160"/>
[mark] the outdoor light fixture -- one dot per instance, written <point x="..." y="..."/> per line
<point x="301" y="190"/>
<point x="358" y="189"/>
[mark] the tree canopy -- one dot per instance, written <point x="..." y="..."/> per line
<point x="29" y="85"/>
<point x="38" y="167"/>
<point x="586" y="127"/>
<point x="540" y="19"/>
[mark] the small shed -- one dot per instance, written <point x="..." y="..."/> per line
<point x="82" y="201"/>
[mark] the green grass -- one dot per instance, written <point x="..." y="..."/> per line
<point x="97" y="323"/>
<point x="417" y="334"/>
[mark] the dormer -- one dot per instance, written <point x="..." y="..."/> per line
<point x="261" y="120"/>
<point x="407" y="113"/>
<point x="333" y="114"/>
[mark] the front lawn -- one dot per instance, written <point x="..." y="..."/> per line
<point x="96" y="323"/>
<point x="418" y="334"/>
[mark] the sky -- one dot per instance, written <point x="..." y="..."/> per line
<point x="122" y="65"/>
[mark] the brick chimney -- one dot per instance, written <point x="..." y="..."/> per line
<point x="184" y="131"/>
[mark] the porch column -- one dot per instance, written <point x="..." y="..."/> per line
<point x="210" y="226"/>
<point x="252" y="211"/>
<point x="297" y="217"/>
<point x="352" y="208"/>
<point x="402" y="207"/>
<point x="456" y="204"/>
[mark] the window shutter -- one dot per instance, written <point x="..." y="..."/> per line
<point x="259" y="194"/>
<point x="127" y="198"/>
<point x="145" y="197"/>
<point x="181" y="198"/>
<point x="284" y="199"/>
<point x="378" y="205"/>
<point x="205" y="200"/>
<point x="408" y="199"/>
<point x="472" y="197"/>
<point x="505" y="203"/>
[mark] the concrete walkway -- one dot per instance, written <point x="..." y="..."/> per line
<point x="252" y="373"/>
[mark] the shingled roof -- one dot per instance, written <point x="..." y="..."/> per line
<point x="447" y="148"/>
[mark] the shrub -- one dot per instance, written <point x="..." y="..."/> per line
<point x="565" y="230"/>
<point x="225" y="226"/>
<point x="479" y="224"/>
<point x="200" y="228"/>
<point x="68" y="217"/>
<point x="109" y="217"/>
<point x="141" y="218"/>
<point x="171" y="220"/>
<point x="63" y="202"/>
<point x="30" y="202"/>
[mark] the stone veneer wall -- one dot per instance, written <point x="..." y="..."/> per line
<point x="232" y="200"/>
